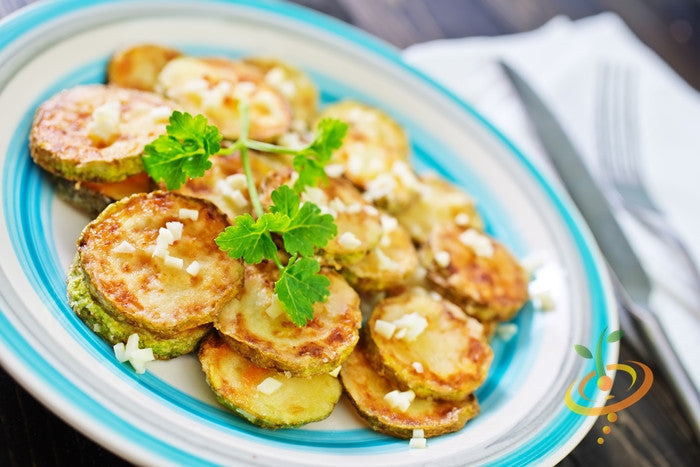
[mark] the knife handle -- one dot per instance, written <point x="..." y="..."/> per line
<point x="657" y="342"/>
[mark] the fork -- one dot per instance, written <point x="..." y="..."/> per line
<point x="618" y="147"/>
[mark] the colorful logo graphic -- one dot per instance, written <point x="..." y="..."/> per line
<point x="587" y="406"/>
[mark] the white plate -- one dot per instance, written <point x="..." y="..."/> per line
<point x="168" y="414"/>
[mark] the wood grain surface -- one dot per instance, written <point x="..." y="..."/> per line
<point x="653" y="432"/>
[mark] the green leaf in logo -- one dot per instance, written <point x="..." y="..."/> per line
<point x="615" y="336"/>
<point x="583" y="351"/>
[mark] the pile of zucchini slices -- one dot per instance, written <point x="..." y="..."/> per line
<point x="416" y="284"/>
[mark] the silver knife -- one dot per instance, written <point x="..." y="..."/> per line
<point x="631" y="281"/>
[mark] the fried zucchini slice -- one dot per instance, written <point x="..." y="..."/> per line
<point x="389" y="264"/>
<point x="476" y="272"/>
<point x="255" y="324"/>
<point x="113" y="330"/>
<point x="214" y="86"/>
<point x="374" y="154"/>
<point x="137" y="67"/>
<point x="292" y="83"/>
<point x="220" y="183"/>
<point x="145" y="287"/>
<point x="439" y="202"/>
<point x="366" y="389"/>
<point x="236" y="382"/>
<point x="93" y="197"/>
<point x="359" y="223"/>
<point x="97" y="133"/>
<point x="443" y="353"/>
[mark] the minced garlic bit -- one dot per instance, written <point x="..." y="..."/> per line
<point x="160" y="252"/>
<point x="275" y="309"/>
<point x="413" y="323"/>
<point x="191" y="214"/>
<point x="506" y="331"/>
<point x="174" y="262"/>
<point x="175" y="228"/>
<point x="233" y="195"/>
<point x="533" y="262"/>
<point x="104" y="126"/>
<point x="335" y="372"/>
<point x="160" y="114"/>
<point x="334" y="170"/>
<point x="398" y="400"/>
<point x="417" y="443"/>
<point x="137" y="357"/>
<point x="165" y="238"/>
<point x="442" y="258"/>
<point x="418" y="366"/>
<point x="478" y="242"/>
<point x="462" y="219"/>
<point x="543" y="300"/>
<point x="237" y="181"/>
<point x="418" y="433"/>
<point x="269" y="385"/>
<point x="384" y="328"/>
<point x="349" y="240"/>
<point x="193" y="268"/>
<point x="124" y="247"/>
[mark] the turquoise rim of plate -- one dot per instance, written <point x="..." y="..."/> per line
<point x="562" y="427"/>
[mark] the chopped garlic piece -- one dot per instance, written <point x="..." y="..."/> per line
<point x="237" y="181"/>
<point x="543" y="300"/>
<point x="418" y="366"/>
<point x="275" y="309"/>
<point x="462" y="219"/>
<point x="124" y="247"/>
<point x="235" y="196"/>
<point x="191" y="214"/>
<point x="193" y="268"/>
<point x="174" y="262"/>
<point x="349" y="240"/>
<point x="165" y="238"/>
<point x="414" y="324"/>
<point x="384" y="328"/>
<point x="175" y="228"/>
<point x="417" y="443"/>
<point x="442" y="258"/>
<point x="137" y="357"/>
<point x="418" y="433"/>
<point x="334" y="373"/>
<point x="334" y="170"/>
<point x="401" y="333"/>
<point x="104" y="126"/>
<point x="160" y="114"/>
<point x="506" y="331"/>
<point x="385" y="263"/>
<point x="269" y="385"/>
<point x="160" y="252"/>
<point x="533" y="262"/>
<point x="478" y="242"/>
<point x="400" y="400"/>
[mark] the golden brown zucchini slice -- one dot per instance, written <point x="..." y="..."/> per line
<point x="137" y="67"/>
<point x="292" y="83"/>
<point x="97" y="133"/>
<point x="214" y="86"/>
<point x="243" y="387"/>
<point x="359" y="223"/>
<point x="114" y="330"/>
<point x="367" y="390"/>
<point x="389" y="264"/>
<point x="476" y="272"/>
<point x="439" y="202"/>
<point x="93" y="197"/>
<point x="374" y="154"/>
<point x="255" y="324"/>
<point x="434" y="349"/>
<point x="135" y="277"/>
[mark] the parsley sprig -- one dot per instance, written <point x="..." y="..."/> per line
<point x="184" y="152"/>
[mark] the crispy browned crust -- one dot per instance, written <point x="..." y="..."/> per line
<point x="60" y="142"/>
<point x="366" y="389"/>
<point x="141" y="288"/>
<point x="276" y="342"/>
<point x="137" y="67"/>
<point x="234" y="380"/>
<point x="488" y="288"/>
<point x="452" y="350"/>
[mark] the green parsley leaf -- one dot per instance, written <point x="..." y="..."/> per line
<point x="307" y="228"/>
<point x="183" y="151"/>
<point x="250" y="239"/>
<point x="310" y="161"/>
<point x="299" y="287"/>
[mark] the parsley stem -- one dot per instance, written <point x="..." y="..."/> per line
<point x="244" y="142"/>
<point x="271" y="148"/>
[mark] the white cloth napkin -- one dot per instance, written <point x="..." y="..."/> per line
<point x="562" y="61"/>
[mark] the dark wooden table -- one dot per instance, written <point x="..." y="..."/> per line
<point x="651" y="432"/>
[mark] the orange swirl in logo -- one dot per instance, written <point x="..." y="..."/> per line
<point x="624" y="403"/>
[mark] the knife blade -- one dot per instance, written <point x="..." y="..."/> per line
<point x="631" y="281"/>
